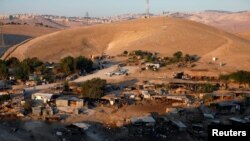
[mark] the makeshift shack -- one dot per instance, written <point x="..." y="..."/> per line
<point x="69" y="101"/>
<point x="180" y="125"/>
<point x="45" y="97"/>
<point x="143" y="120"/>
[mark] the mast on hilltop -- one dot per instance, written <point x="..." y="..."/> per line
<point x="2" y="44"/>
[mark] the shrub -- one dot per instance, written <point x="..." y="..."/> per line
<point x="22" y="72"/>
<point x="239" y="76"/>
<point x="12" y="62"/>
<point x="178" y="55"/>
<point x="125" y="52"/>
<point x="83" y="64"/>
<point x="4" y="98"/>
<point x="67" y="65"/>
<point x="208" y="88"/>
<point x="3" y="70"/>
<point x="32" y="63"/>
<point x="93" y="88"/>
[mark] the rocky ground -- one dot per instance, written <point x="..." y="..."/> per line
<point x="15" y="130"/>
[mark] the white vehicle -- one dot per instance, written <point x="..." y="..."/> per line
<point x="123" y="71"/>
<point x="110" y="73"/>
<point x="118" y="73"/>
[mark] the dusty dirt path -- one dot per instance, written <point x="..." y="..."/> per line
<point x="224" y="48"/>
<point x="7" y="54"/>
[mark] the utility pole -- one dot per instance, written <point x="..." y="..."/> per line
<point x="2" y="44"/>
<point x="147" y="9"/>
<point x="87" y="17"/>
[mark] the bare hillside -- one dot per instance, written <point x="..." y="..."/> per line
<point x="233" y="22"/>
<point x="162" y="35"/>
<point x="245" y="35"/>
<point x="27" y="30"/>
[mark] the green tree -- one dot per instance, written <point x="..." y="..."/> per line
<point x="224" y="77"/>
<point x="32" y="63"/>
<point x="242" y="77"/>
<point x="149" y="58"/>
<point x="208" y="88"/>
<point x="94" y="88"/>
<point x="4" y="98"/>
<point x="125" y="52"/>
<point x="22" y="72"/>
<point x="41" y="69"/>
<point x="139" y="53"/>
<point x="82" y="63"/>
<point x="178" y="55"/>
<point x="13" y="62"/>
<point x="67" y="65"/>
<point x="3" y="70"/>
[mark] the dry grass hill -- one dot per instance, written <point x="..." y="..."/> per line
<point x="16" y="34"/>
<point x="32" y="21"/>
<point x="27" y="30"/>
<point x="162" y="35"/>
<point x="245" y="35"/>
<point x="233" y="22"/>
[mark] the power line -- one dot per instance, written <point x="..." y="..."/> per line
<point x="147" y="8"/>
<point x="87" y="18"/>
<point x="2" y="44"/>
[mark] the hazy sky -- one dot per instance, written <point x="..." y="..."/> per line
<point x="115" y="7"/>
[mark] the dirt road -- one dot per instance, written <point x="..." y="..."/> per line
<point x="102" y="74"/>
